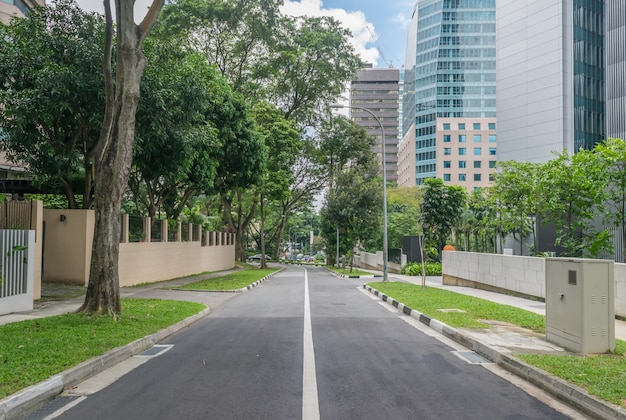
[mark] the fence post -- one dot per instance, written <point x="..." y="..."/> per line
<point x="164" y="232"/>
<point x="147" y="231"/>
<point x="125" y="223"/>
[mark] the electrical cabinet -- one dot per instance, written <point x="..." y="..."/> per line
<point x="580" y="304"/>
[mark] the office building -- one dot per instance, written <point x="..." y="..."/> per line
<point x="450" y="74"/>
<point x="550" y="77"/>
<point x="377" y="89"/>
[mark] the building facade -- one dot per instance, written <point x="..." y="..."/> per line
<point x="550" y="77"/>
<point x="450" y="73"/>
<point x="17" y="8"/>
<point x="615" y="23"/>
<point x="377" y="90"/>
<point x="467" y="148"/>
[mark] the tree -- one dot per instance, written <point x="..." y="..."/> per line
<point x="440" y="210"/>
<point x="176" y="155"/>
<point x="282" y="140"/>
<point x="51" y="90"/>
<point x="515" y="189"/>
<point x="572" y="191"/>
<point x="403" y="210"/>
<point x="353" y="206"/>
<point x="114" y="150"/>
<point x="612" y="155"/>
<point x="312" y="63"/>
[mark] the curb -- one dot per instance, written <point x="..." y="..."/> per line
<point x="17" y="405"/>
<point x="343" y="276"/>
<point x="571" y="394"/>
<point x="242" y="290"/>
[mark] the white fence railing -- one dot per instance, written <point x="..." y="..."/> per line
<point x="17" y="259"/>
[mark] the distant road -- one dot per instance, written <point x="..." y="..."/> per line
<point x="307" y="345"/>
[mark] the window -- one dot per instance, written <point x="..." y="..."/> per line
<point x="447" y="138"/>
<point x="492" y="138"/>
<point x="477" y="151"/>
<point x="491" y="177"/>
<point x="476" y="126"/>
<point x="461" y="126"/>
<point x="477" y="164"/>
<point x="492" y="126"/>
<point x="492" y="151"/>
<point x="462" y="151"/>
<point x="447" y="151"/>
<point x="446" y="126"/>
<point x="447" y="164"/>
<point x="477" y="177"/>
<point x="492" y="164"/>
<point x="462" y="177"/>
<point x="462" y="164"/>
<point x="461" y="138"/>
<point x="446" y="177"/>
<point x="477" y="138"/>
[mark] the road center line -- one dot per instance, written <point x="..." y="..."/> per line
<point x="310" y="402"/>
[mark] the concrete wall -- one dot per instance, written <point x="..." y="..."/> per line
<point x="68" y="246"/>
<point x="67" y="249"/>
<point x="371" y="261"/>
<point x="524" y="276"/>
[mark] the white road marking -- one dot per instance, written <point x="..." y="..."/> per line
<point x="64" y="408"/>
<point x="310" y="402"/>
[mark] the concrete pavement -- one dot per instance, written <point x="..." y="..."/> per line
<point x="497" y="344"/>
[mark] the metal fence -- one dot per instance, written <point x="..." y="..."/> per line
<point x="16" y="214"/>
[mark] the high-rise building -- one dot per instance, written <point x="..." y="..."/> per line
<point x="450" y="73"/>
<point x="16" y="8"/>
<point x="615" y="23"/>
<point x="377" y="89"/>
<point x="551" y="77"/>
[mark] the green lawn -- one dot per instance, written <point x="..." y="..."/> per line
<point x="233" y="281"/>
<point x="32" y="351"/>
<point x="602" y="375"/>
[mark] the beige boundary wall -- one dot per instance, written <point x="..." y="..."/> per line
<point x="525" y="276"/>
<point x="69" y="237"/>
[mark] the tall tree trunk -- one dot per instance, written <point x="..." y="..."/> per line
<point x="114" y="152"/>
<point x="262" y="233"/>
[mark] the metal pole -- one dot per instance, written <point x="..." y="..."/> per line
<point x="337" y="262"/>
<point x="384" y="162"/>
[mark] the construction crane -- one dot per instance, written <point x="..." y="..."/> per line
<point x="378" y="48"/>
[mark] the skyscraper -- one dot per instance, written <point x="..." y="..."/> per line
<point x="551" y="77"/>
<point x="377" y="89"/>
<point x="450" y="74"/>
<point x="615" y="23"/>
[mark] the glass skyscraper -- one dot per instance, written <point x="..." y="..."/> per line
<point x="450" y="71"/>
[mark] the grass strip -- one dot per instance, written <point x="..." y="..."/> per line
<point x="233" y="281"/>
<point x="602" y="375"/>
<point x="346" y="271"/>
<point x="431" y="301"/>
<point x="32" y="351"/>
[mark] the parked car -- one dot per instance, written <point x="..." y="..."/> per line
<point x="257" y="257"/>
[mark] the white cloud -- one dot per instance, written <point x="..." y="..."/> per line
<point x="402" y="19"/>
<point x="355" y="22"/>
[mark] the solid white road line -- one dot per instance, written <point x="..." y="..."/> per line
<point x="310" y="402"/>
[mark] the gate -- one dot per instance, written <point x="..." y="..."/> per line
<point x="17" y="252"/>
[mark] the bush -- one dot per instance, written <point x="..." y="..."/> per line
<point x="415" y="269"/>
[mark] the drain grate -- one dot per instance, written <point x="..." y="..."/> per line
<point x="155" y="350"/>
<point x="471" y="357"/>
<point x="51" y="407"/>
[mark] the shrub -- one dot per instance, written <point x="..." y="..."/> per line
<point x="415" y="269"/>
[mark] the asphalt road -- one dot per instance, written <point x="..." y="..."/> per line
<point x="307" y="345"/>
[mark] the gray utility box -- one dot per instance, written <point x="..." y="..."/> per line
<point x="580" y="304"/>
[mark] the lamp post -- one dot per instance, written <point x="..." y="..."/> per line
<point x="289" y="237"/>
<point x="384" y="159"/>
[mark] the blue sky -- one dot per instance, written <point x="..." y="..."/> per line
<point x="387" y="20"/>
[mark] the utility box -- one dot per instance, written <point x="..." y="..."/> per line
<point x="580" y="304"/>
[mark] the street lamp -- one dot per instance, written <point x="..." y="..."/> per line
<point x="382" y="130"/>
<point x="289" y="237"/>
